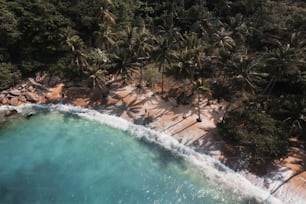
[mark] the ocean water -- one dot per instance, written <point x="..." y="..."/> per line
<point x="60" y="157"/>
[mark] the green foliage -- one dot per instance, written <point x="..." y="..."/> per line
<point x="254" y="132"/>
<point x="9" y="32"/>
<point x="9" y="76"/>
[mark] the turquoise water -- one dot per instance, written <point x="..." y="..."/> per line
<point x="62" y="158"/>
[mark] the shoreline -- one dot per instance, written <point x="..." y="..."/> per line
<point x="144" y="107"/>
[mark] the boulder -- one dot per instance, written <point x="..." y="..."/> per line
<point x="2" y="96"/>
<point x="54" y="80"/>
<point x="31" y="88"/>
<point x="22" y="99"/>
<point x="42" y="78"/>
<point x="36" y="85"/>
<point x="31" y="97"/>
<point x="4" y="100"/>
<point x="15" y="92"/>
<point x="14" y="101"/>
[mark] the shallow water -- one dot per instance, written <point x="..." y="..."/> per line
<point x="64" y="158"/>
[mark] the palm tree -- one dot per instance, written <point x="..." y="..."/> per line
<point x="291" y="110"/>
<point x="143" y="46"/>
<point x="163" y="56"/>
<point x="107" y="17"/>
<point x="105" y="37"/>
<point x="242" y="70"/>
<point x="99" y="79"/>
<point x="201" y="87"/>
<point x="123" y="64"/>
<point x="285" y="61"/>
<point x="223" y="40"/>
<point x="183" y="66"/>
<point x="171" y="32"/>
<point x="75" y="43"/>
<point x="128" y="37"/>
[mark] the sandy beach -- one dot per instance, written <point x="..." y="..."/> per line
<point x="146" y="107"/>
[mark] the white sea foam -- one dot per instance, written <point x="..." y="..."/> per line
<point x="212" y="168"/>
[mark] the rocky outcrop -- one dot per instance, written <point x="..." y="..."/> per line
<point x="31" y="91"/>
<point x="54" y="80"/>
<point x="31" y="97"/>
<point x="15" y="92"/>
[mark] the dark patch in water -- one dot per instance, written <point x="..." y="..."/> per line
<point x="164" y="156"/>
<point x="250" y="201"/>
<point x="36" y="184"/>
<point x="70" y="116"/>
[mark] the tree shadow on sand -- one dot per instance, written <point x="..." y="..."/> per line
<point x="130" y="108"/>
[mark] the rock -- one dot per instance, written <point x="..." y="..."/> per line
<point x="10" y="113"/>
<point x="37" y="85"/>
<point x="54" y="80"/>
<point x="22" y="99"/>
<point x="15" y="92"/>
<point x="42" y="78"/>
<point x="30" y="88"/>
<point x="46" y="79"/>
<point x="1" y="97"/>
<point x="5" y="101"/>
<point x="14" y="101"/>
<point x="29" y="115"/>
<point x="31" y="97"/>
<point x="48" y="96"/>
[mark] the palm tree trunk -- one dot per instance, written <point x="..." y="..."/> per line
<point x="162" y="82"/>
<point x="287" y="180"/>
<point x="199" y="110"/>
<point x="141" y="75"/>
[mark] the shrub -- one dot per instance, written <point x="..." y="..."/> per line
<point x="9" y="75"/>
<point x="256" y="133"/>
